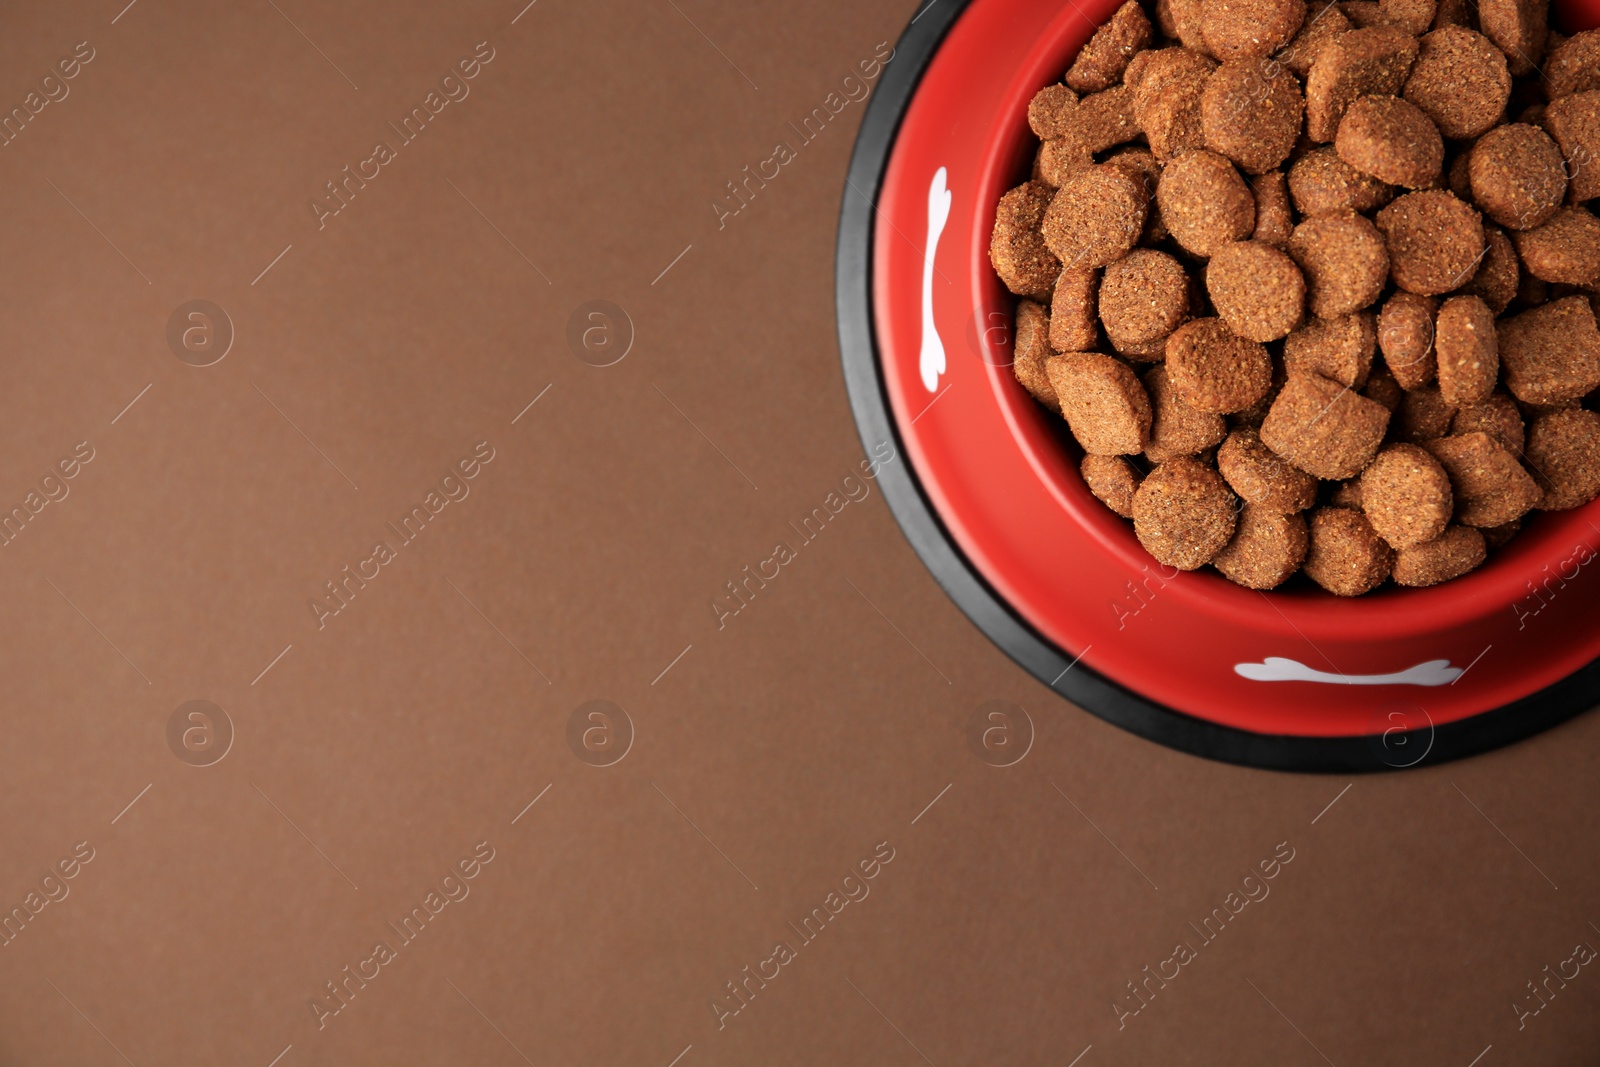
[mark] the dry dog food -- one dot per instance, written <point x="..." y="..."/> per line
<point x="1314" y="288"/>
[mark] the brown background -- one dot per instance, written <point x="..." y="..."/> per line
<point x="775" y="753"/>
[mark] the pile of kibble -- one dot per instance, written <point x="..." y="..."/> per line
<point x="1312" y="286"/>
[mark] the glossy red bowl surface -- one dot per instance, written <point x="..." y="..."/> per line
<point x="1001" y="471"/>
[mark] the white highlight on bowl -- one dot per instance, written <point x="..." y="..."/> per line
<point x="1278" y="669"/>
<point x="932" y="345"/>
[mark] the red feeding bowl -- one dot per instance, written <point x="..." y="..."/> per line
<point x="989" y="491"/>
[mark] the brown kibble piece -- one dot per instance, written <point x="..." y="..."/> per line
<point x="1392" y="140"/>
<point x="1095" y="218"/>
<point x="1323" y="184"/>
<point x="1489" y="485"/>
<point x="1573" y="66"/>
<point x="1251" y="416"/>
<point x="1136" y="66"/>
<point x="1413" y="16"/>
<point x="1051" y="111"/>
<point x="1496" y="416"/>
<point x="1565" y="249"/>
<point x="1405" y="335"/>
<point x="1344" y="260"/>
<point x="1517" y="175"/>
<point x="1072" y="311"/>
<point x="1274" y="219"/>
<point x="1405" y="494"/>
<point x="1495" y="536"/>
<point x="1434" y="241"/>
<point x="1166" y="102"/>
<point x="1345" y="555"/>
<point x="1250" y="112"/>
<point x="1256" y="289"/>
<point x="1460" y="81"/>
<point x="1017" y="250"/>
<point x="1551" y="353"/>
<point x="1183" y="513"/>
<point x="1324" y="22"/>
<point x="1340" y="348"/>
<point x="1323" y="428"/>
<point x="1246" y="29"/>
<point x="1062" y="157"/>
<point x="1372" y="60"/>
<point x="1204" y="202"/>
<point x="1469" y="364"/>
<point x="1345" y="494"/>
<point x="1101" y="62"/>
<point x="1029" y="351"/>
<point x="1143" y="298"/>
<point x="1177" y="429"/>
<point x="1103" y="402"/>
<point x="1422" y="416"/>
<point x="1518" y="28"/>
<point x="1215" y="369"/>
<point x="1112" y="480"/>
<point x="1267" y="547"/>
<point x="1564" y="453"/>
<point x="1181" y="19"/>
<point x="1105" y="119"/>
<point x="1499" y="274"/>
<point x="1260" y="476"/>
<point x="1450" y="555"/>
<point x="1142" y="166"/>
<point x="1382" y="388"/>
<point x="1574" y="121"/>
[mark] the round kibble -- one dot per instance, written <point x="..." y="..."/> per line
<point x="1345" y="554"/>
<point x="1323" y="184"/>
<point x="1267" y="547"/>
<point x="1244" y="29"/>
<point x="1434" y="241"/>
<point x="1261" y="477"/>
<point x="1183" y="513"/>
<point x="1215" y="369"/>
<point x="1564" y="454"/>
<point x="1072" y="315"/>
<point x="1340" y="348"/>
<point x="1517" y="174"/>
<point x="1344" y="260"/>
<point x="1274" y="214"/>
<point x="1496" y="416"/>
<point x="1204" y="202"/>
<point x="1051" y="111"/>
<point x="1469" y="363"/>
<point x="1550" y="354"/>
<point x="1422" y="415"/>
<point x="1405" y="336"/>
<point x="1250" y="112"/>
<point x="1460" y="81"/>
<point x="1406" y="495"/>
<point x="1495" y="536"/>
<point x="1518" y="27"/>
<point x="1104" y="404"/>
<point x="1366" y="61"/>
<point x="1566" y="248"/>
<point x="1095" y="218"/>
<point x="1016" y="249"/>
<point x="1256" y="289"/>
<point x="1574" y="121"/>
<point x="1450" y="555"/>
<point x="1499" y="274"/>
<point x="1112" y="480"/>
<point x="1489" y="485"/>
<point x="1392" y="140"/>
<point x="1177" y="428"/>
<point x="1143" y="298"/>
<point x="1573" y="66"/>
<point x="1030" y="349"/>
